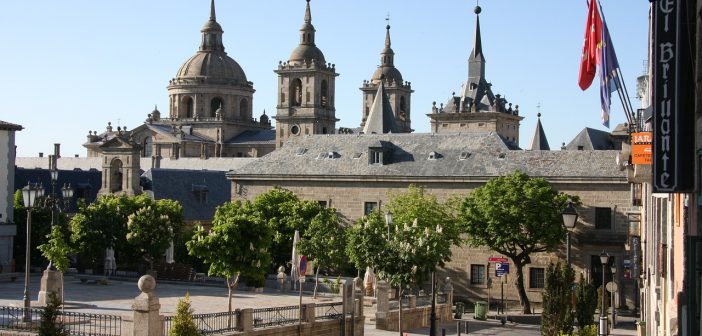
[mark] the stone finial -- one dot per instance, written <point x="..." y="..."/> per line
<point x="146" y="284"/>
<point x="109" y="127"/>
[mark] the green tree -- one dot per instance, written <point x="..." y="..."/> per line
<point x="517" y="216"/>
<point x="50" y="325"/>
<point x="41" y="227"/>
<point x="284" y="213"/>
<point x="236" y="245"/>
<point x="183" y="324"/>
<point x="105" y="223"/>
<point x="418" y="241"/>
<point x="586" y="303"/>
<point x="56" y="249"/>
<point x="324" y="241"/>
<point x="150" y="233"/>
<point x="557" y="316"/>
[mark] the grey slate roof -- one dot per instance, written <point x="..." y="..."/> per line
<point x="591" y="139"/>
<point x="486" y="155"/>
<point x="254" y="136"/>
<point x="539" y="141"/>
<point x="4" y="125"/>
<point x="85" y="183"/>
<point x="168" y="130"/>
<point x="180" y="184"/>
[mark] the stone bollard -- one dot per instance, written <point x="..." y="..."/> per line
<point x="412" y="301"/>
<point x="147" y="321"/>
<point x="51" y="281"/>
<point x="383" y="299"/>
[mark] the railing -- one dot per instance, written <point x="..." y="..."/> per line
<point x="329" y="311"/>
<point x="77" y="324"/>
<point x="209" y="324"/>
<point x="421" y="301"/>
<point x="266" y="317"/>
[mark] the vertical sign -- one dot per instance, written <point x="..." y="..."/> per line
<point x="672" y="115"/>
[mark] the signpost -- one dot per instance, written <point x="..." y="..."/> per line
<point x="501" y="268"/>
<point x="498" y="259"/>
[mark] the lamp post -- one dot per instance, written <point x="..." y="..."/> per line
<point x="388" y="221"/>
<point x="30" y="193"/>
<point x="604" y="259"/>
<point x="570" y="217"/>
<point x="613" y="269"/>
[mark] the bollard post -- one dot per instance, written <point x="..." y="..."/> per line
<point x="443" y="331"/>
<point x="147" y="321"/>
<point x="458" y="328"/>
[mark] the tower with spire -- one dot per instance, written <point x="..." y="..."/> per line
<point x="305" y="89"/>
<point x="539" y="141"/>
<point x="386" y="97"/>
<point x="476" y="107"/>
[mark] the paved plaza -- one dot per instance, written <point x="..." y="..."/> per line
<point x="116" y="298"/>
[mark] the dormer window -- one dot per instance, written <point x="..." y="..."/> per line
<point x="375" y="156"/>
<point x="434" y="156"/>
<point x="200" y="193"/>
<point x="464" y="155"/>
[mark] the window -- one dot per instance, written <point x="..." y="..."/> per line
<point x="477" y="274"/>
<point x="147" y="150"/>
<point x="243" y="109"/>
<point x="368" y="207"/>
<point x="536" y="277"/>
<point x="375" y="157"/>
<point x="325" y="93"/>
<point x="322" y="203"/>
<point x="215" y="105"/>
<point x="200" y="193"/>
<point x="189" y="107"/>
<point x="603" y="218"/>
<point x="296" y="92"/>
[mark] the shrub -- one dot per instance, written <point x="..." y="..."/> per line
<point x="183" y="324"/>
<point x="50" y="325"/>
<point x="557" y="313"/>
<point x="586" y="303"/>
<point x="588" y="330"/>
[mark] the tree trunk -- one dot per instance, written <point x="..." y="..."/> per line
<point x="523" y="298"/>
<point x="316" y="283"/>
<point x="231" y="287"/>
<point x="399" y="310"/>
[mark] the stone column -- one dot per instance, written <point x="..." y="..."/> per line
<point x="245" y="322"/>
<point x="383" y="299"/>
<point x="51" y="281"/>
<point x="147" y="321"/>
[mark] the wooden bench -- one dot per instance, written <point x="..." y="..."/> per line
<point x="10" y="275"/>
<point x="99" y="279"/>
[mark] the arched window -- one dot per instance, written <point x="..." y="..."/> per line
<point x="188" y="106"/>
<point x="116" y="175"/>
<point x="147" y="150"/>
<point x="243" y="109"/>
<point x="403" y="108"/>
<point x="325" y="93"/>
<point x="215" y="104"/>
<point x="296" y="92"/>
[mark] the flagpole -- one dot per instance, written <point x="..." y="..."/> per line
<point x="626" y="102"/>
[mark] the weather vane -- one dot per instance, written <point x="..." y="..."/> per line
<point x="387" y="18"/>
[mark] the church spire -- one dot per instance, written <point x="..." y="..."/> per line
<point x="307" y="30"/>
<point x="476" y="62"/>
<point x="539" y="141"/>
<point x="213" y="16"/>
<point x="387" y="55"/>
<point x="212" y="32"/>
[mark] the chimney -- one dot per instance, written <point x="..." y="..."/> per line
<point x="57" y="150"/>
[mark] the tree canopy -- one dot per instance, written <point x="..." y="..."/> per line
<point x="517" y="216"/>
<point x="236" y="245"/>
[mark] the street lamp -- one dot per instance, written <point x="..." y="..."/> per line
<point x="604" y="259"/>
<point x="613" y="269"/>
<point x="388" y="221"/>
<point x="570" y="217"/>
<point x="30" y="193"/>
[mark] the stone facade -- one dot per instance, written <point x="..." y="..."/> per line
<point x="8" y="229"/>
<point x="354" y="185"/>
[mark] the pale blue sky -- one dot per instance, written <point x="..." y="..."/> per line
<point x="72" y="66"/>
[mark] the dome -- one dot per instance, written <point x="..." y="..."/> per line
<point x="389" y="73"/>
<point x="306" y="52"/>
<point x="211" y="25"/>
<point x="216" y="66"/>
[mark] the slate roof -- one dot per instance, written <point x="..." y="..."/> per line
<point x="168" y="130"/>
<point x="182" y="185"/>
<point x="591" y="139"/>
<point x="460" y="156"/>
<point x="539" y="141"/>
<point x="85" y="183"/>
<point x="254" y="136"/>
<point x="4" y="125"/>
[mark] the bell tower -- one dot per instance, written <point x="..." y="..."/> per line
<point x="305" y="89"/>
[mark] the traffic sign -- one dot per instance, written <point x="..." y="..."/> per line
<point x="501" y="268"/>
<point x="498" y="259"/>
<point x="612" y="286"/>
<point x="303" y="265"/>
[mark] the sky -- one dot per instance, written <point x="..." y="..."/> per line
<point x="72" y="66"/>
